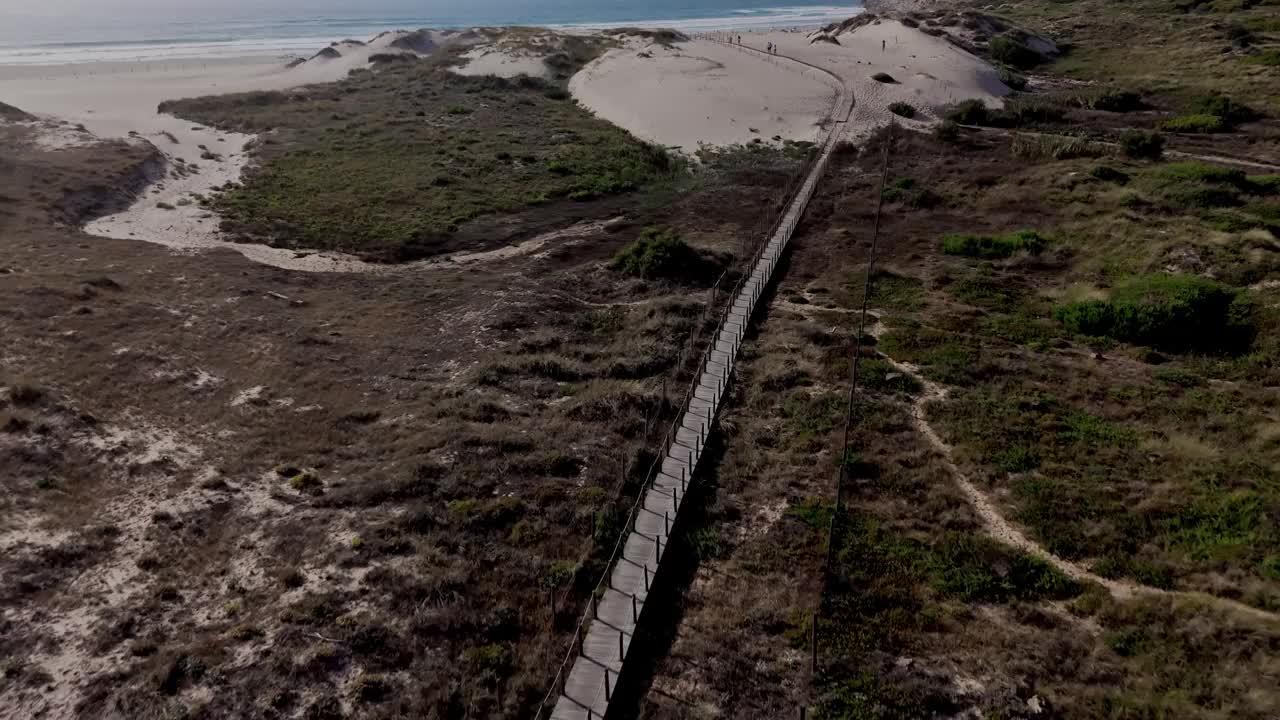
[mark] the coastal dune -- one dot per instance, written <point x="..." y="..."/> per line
<point x="703" y="92"/>
<point x="681" y="93"/>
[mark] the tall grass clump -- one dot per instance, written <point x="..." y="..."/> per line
<point x="993" y="247"/>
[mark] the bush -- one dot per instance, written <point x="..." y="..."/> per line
<point x="969" y="112"/>
<point x="659" y="253"/>
<point x="990" y="247"/>
<point x="1012" y="79"/>
<point x="884" y="78"/>
<point x="1169" y="312"/>
<point x="947" y="132"/>
<point x="1194" y="124"/>
<point x="1140" y="144"/>
<point x="1006" y="50"/>
<point x="904" y="190"/>
<point x="1109" y="174"/>
<point x="1231" y="112"/>
<point x="1112" y="100"/>
<point x="902" y="109"/>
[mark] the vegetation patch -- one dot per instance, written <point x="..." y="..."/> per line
<point x="397" y="164"/>
<point x="1194" y="124"/>
<point x="661" y="253"/>
<point x="1010" y="51"/>
<point x="1171" y="312"/>
<point x="991" y="247"/>
<point x="1142" y="145"/>
<point x="902" y="109"/>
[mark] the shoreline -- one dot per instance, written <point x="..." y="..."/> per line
<point x="170" y="48"/>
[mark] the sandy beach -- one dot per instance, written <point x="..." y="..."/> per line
<point x="682" y="95"/>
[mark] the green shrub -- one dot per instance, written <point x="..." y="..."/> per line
<point x="458" y="110"/>
<point x="1231" y="112"/>
<point x="947" y="132"/>
<point x="659" y="253"/>
<point x="902" y="109"/>
<point x="1169" y="312"/>
<point x="990" y="247"/>
<point x="1141" y="144"/>
<point x="165" y="206"/>
<point x="969" y="112"/>
<point x="1012" y="79"/>
<point x="905" y="191"/>
<point x="1194" y="124"/>
<point x="1111" y="100"/>
<point x="1009" y="51"/>
<point x="883" y="78"/>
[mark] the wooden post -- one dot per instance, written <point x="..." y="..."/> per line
<point x="608" y="692"/>
<point x="621" y="652"/>
<point x="595" y="607"/>
<point x="579" y="634"/>
<point x="635" y="612"/>
<point x="666" y="522"/>
<point x="646" y="578"/>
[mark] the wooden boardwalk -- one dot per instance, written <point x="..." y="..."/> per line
<point x="584" y="691"/>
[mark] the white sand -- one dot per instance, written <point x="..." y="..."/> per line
<point x="703" y="92"/>
<point x="489" y="60"/>
<point x="709" y="92"/>
<point x="930" y="72"/>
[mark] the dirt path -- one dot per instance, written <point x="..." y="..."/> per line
<point x="1000" y="528"/>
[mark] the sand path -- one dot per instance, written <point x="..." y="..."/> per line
<point x="999" y="527"/>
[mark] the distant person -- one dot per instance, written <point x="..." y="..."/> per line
<point x="881" y="46"/>
<point x="739" y="39"/>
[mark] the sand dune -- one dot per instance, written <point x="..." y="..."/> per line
<point x="702" y="92"/>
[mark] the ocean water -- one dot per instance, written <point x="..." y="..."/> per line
<point x="157" y="34"/>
